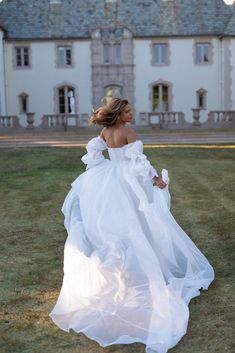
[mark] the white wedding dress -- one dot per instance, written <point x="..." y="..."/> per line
<point x="130" y="270"/>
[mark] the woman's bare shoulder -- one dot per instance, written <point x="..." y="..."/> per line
<point x="130" y="134"/>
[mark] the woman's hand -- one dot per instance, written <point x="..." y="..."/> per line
<point x="159" y="182"/>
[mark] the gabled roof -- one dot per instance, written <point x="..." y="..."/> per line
<point x="24" y="19"/>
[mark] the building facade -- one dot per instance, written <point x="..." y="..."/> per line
<point x="65" y="57"/>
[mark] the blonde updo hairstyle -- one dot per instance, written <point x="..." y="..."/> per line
<point x="109" y="114"/>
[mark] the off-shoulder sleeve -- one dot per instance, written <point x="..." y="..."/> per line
<point x="94" y="155"/>
<point x="139" y="165"/>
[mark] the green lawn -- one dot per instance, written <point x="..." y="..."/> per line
<point x="33" y="184"/>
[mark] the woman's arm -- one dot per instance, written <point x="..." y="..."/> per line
<point x="94" y="155"/>
<point x="131" y="137"/>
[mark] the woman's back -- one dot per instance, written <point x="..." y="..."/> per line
<point x="118" y="136"/>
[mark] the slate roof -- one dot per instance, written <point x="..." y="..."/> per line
<point x="2" y="29"/>
<point x="230" y="27"/>
<point x="38" y="19"/>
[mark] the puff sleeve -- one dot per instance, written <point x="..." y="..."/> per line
<point x="139" y="165"/>
<point x="94" y="155"/>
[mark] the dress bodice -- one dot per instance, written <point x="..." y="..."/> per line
<point x="118" y="154"/>
<point x="138" y="164"/>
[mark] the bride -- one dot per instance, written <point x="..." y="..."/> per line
<point x="130" y="270"/>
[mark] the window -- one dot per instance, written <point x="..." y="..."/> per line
<point x="64" y="56"/>
<point x="23" y="100"/>
<point x="117" y="54"/>
<point x="160" y="98"/>
<point x="160" y="54"/>
<point x="201" y="98"/>
<point x="22" y="57"/>
<point x="107" y="54"/>
<point x="112" y="54"/>
<point x="202" y="53"/>
<point x="66" y="100"/>
<point x="112" y="92"/>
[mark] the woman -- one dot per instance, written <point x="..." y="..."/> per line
<point x="130" y="271"/>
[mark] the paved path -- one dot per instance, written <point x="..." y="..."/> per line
<point x="149" y="137"/>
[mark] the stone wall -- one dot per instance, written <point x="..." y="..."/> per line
<point x="112" y="74"/>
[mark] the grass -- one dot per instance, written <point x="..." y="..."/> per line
<point x="33" y="184"/>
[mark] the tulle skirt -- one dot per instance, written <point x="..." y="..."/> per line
<point x="130" y="270"/>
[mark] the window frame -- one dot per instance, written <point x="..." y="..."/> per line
<point x="21" y="47"/>
<point x="110" y="51"/>
<point x="199" y="44"/>
<point x="160" y="54"/>
<point x="66" y="89"/>
<point x="202" y="92"/>
<point x="160" y="87"/>
<point x="170" y="95"/>
<point x="107" y="53"/>
<point x="65" y="47"/>
<point x="22" y="96"/>
<point x="160" y="44"/>
<point x="117" y="56"/>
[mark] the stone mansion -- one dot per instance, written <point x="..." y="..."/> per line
<point x="64" y="57"/>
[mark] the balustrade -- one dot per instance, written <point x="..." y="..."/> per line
<point x="221" y="116"/>
<point x="166" y="118"/>
<point x="9" y="121"/>
<point x="59" y="120"/>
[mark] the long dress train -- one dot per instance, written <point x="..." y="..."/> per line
<point x="130" y="270"/>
